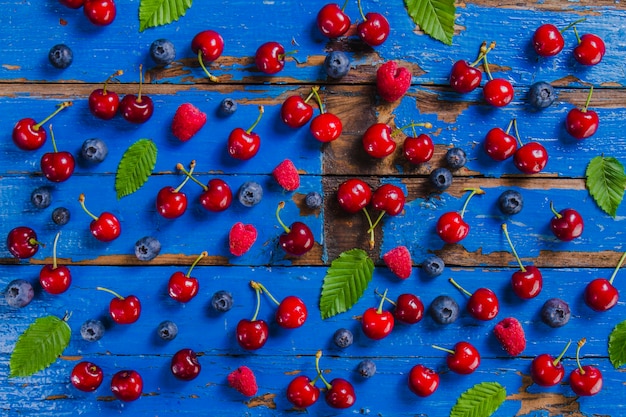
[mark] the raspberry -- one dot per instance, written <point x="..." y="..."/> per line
<point x="286" y="175"/>
<point x="241" y="238"/>
<point x="511" y="335"/>
<point x="399" y="261"/>
<point x="188" y="120"/>
<point x="392" y="81"/>
<point x="243" y="380"/>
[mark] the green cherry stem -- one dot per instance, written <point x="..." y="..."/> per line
<point x="619" y="265"/>
<point x="195" y="262"/>
<point x="81" y="200"/>
<point x="576" y="33"/>
<point x="319" y="99"/>
<point x="115" y="74"/>
<point x="556" y="360"/>
<point x="427" y="125"/>
<point x="378" y="219"/>
<point x="474" y="191"/>
<point x="110" y="292"/>
<point x="384" y="296"/>
<point x="580" y="344"/>
<point x="318" y="355"/>
<point x="212" y="77"/>
<point x="258" y="119"/>
<point x="257" y="290"/>
<point x="54" y="250"/>
<point x="450" y="351"/>
<point x="371" y="229"/>
<point x="456" y="284"/>
<point x="486" y="66"/>
<point x="508" y="128"/>
<point x="343" y="8"/>
<point x="180" y="167"/>
<point x="573" y="24"/>
<point x="382" y="302"/>
<point x="54" y="142"/>
<point x="484" y="50"/>
<point x="556" y="213"/>
<point x="264" y="289"/>
<point x="281" y="205"/>
<point x="508" y="238"/>
<point x="361" y="10"/>
<point x="312" y="93"/>
<point x="59" y="108"/>
<point x="140" y="83"/>
<point x="584" y="109"/>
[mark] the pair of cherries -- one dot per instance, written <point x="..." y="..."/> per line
<point x="98" y="12"/>
<point x="548" y="41"/>
<point x="333" y="22"/>
<point x="126" y="385"/>
<point x="296" y="112"/>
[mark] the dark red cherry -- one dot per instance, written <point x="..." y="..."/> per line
<point x="100" y="12"/>
<point x="353" y="195"/>
<point x="295" y="112"/>
<point x="548" y="40"/>
<point x="567" y="224"/>
<point x="270" y="57"/>
<point x="340" y="394"/>
<point x="498" y="92"/>
<point x="373" y="29"/>
<point x="244" y="144"/>
<point x="409" y="309"/>
<point x="332" y="21"/>
<point x="590" y="49"/>
<point x="301" y="392"/>
<point x="326" y="127"/>
<point x="547" y="371"/>
<point x="464" y="77"/>
<point x="22" y="242"/>
<point x="29" y="135"/>
<point x="86" y="376"/>
<point x="297" y="239"/>
<point x="127" y="385"/>
<point x="252" y="334"/>
<point x="423" y="381"/>
<point x="463" y="359"/>
<point x="531" y="158"/>
<point x="418" y="150"/>
<point x="57" y="166"/>
<point x="104" y="103"/>
<point x="185" y="365"/>
<point x="389" y="198"/>
<point x="500" y="145"/>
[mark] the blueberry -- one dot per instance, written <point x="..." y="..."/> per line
<point x="19" y="293"/>
<point x="94" y="150"/>
<point x="440" y="178"/>
<point x="313" y="200"/>
<point x="162" y="52"/>
<point x="541" y="95"/>
<point x="250" y="193"/>
<point x="60" y="56"/>
<point x="510" y="202"/>
<point x="433" y="266"/>
<point x="92" y="330"/>
<point x="147" y="248"/>
<point x="366" y="368"/>
<point x="336" y="64"/>
<point x="167" y="330"/>
<point x="456" y="158"/>
<point x="555" y="312"/>
<point x="222" y="301"/>
<point x="444" y="310"/>
<point x="343" y="338"/>
<point x="41" y="197"/>
<point x="227" y="107"/>
<point x="60" y="216"/>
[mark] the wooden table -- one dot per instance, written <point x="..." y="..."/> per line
<point x="31" y="88"/>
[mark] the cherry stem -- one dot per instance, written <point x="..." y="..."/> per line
<point x="508" y="238"/>
<point x="262" y="287"/>
<point x="510" y="125"/>
<point x="257" y="290"/>
<point x="619" y="265"/>
<point x="371" y="229"/>
<point x="54" y="250"/>
<point x="106" y="82"/>
<point x="427" y="125"/>
<point x="576" y="33"/>
<point x="361" y="10"/>
<point x="180" y="167"/>
<point x="450" y="351"/>
<point x="473" y="192"/>
<point x="378" y="219"/>
<point x="281" y="205"/>
<point x="81" y="200"/>
<point x="382" y="301"/>
<point x="318" y="355"/>
<point x="193" y="265"/>
<point x="556" y="361"/>
<point x="54" y="143"/>
<point x="344" y="5"/>
<point x="140" y="82"/>
<point x="312" y="93"/>
<point x="486" y="66"/>
<point x="580" y="344"/>
<point x="212" y="77"/>
<point x="556" y="213"/>
<point x="456" y="284"/>
<point x="384" y="296"/>
<point x="110" y="292"/>
<point x="584" y="109"/>
<point x="517" y="132"/>
<point x="319" y="99"/>
<point x="573" y="24"/>
<point x="483" y="51"/>
<point x="59" y="108"/>
<point x="261" y="111"/>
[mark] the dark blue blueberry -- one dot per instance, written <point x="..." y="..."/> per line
<point x="313" y="200"/>
<point x="94" y="150"/>
<point x="92" y="330"/>
<point x="336" y="64"/>
<point x="41" y="197"/>
<point x="555" y="312"/>
<point x="19" y="293"/>
<point x="222" y="301"/>
<point x="366" y="368"/>
<point x="167" y="330"/>
<point x="60" y="216"/>
<point x="147" y="248"/>
<point x="60" y="56"/>
<point x="510" y="202"/>
<point x="162" y="52"/>
<point x="250" y="193"/>
<point x="456" y="158"/>
<point x="444" y="310"/>
<point x="343" y="338"/>
<point x="541" y="95"/>
<point x="433" y="266"/>
<point x="227" y="107"/>
<point x="440" y="178"/>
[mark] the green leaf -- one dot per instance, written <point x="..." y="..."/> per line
<point x="617" y="345"/>
<point x="345" y="282"/>
<point x="482" y="400"/>
<point x="434" y="17"/>
<point x="153" y="13"/>
<point x="605" y="180"/>
<point x="39" y="346"/>
<point x="135" y="167"/>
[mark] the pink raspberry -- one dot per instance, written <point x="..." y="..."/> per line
<point x="392" y="81"/>
<point x="511" y="335"/>
<point x="243" y="380"/>
<point x="286" y="175"/>
<point x="188" y="120"/>
<point x="241" y="238"/>
<point x="399" y="261"/>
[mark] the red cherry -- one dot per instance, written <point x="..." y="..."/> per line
<point x="22" y="242"/>
<point x="100" y="12"/>
<point x="548" y="40"/>
<point x="528" y="281"/>
<point x="464" y="77"/>
<point x="409" y="309"/>
<point x="377" y="140"/>
<point x="418" y="150"/>
<point x="103" y="103"/>
<point x="57" y="166"/>
<point x="376" y="323"/>
<point x="244" y="144"/>
<point x="297" y="239"/>
<point x="340" y="394"/>
<point x="252" y="334"/>
<point x="389" y="198"/>
<point x="547" y="371"/>
<point x="127" y="385"/>
<point x="582" y="123"/>
<point x="217" y="195"/>
<point x="498" y="92"/>
<point x="531" y="158"/>
<point x="183" y="287"/>
<point x="291" y="312"/>
<point x="326" y="127"/>
<point x="451" y="227"/>
<point x="354" y="195"/>
<point x="55" y="279"/>
<point x="185" y="365"/>
<point x="104" y="228"/>
<point x="301" y="392"/>
<point x="590" y="49"/>
<point x="171" y="202"/>
<point x="296" y="112"/>
<point x="373" y="29"/>
<point x="137" y="108"/>
<point x="423" y="381"/>
<point x="86" y="376"/>
<point x="28" y="135"/>
<point x="567" y="224"/>
<point x="600" y="294"/>
<point x="332" y="21"/>
<point x="270" y="57"/>
<point x="482" y="304"/>
<point x="500" y="145"/>
<point x="72" y="4"/>
<point x="123" y="310"/>
<point x="208" y="45"/>
<point x="463" y="359"/>
<point x="585" y="380"/>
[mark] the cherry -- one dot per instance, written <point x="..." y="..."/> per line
<point x="86" y="376"/>
<point x="171" y="203"/>
<point x="103" y="103"/>
<point x="270" y="57"/>
<point x="377" y="140"/>
<point x="463" y="359"/>
<point x="296" y="112"/>
<point x="548" y="40"/>
<point x="373" y="29"/>
<point x="104" y="228"/>
<point x="100" y="12"/>
<point x="547" y="371"/>
<point x="600" y="294"/>
<point x="376" y="323"/>
<point x="22" y="242"/>
<point x="127" y="385"/>
<point x="423" y="381"/>
<point x="528" y="281"/>
<point x="340" y="394"/>
<point x="451" y="227"/>
<point x="585" y="380"/>
<point x="302" y="392"/>
<point x="123" y="310"/>
<point x="332" y="21"/>
<point x="291" y="312"/>
<point x="389" y="199"/>
<point x="57" y="166"/>
<point x="409" y="309"/>
<point x="418" y="150"/>
<point x="499" y="144"/>
<point x="590" y="49"/>
<point x="530" y="158"/>
<point x="498" y="92"/>
<point x="28" y="135"/>
<point x="217" y="195"/>
<point x="252" y="334"/>
<point x="567" y="224"/>
<point x="244" y="144"/>
<point x="72" y="4"/>
<point x="183" y="287"/>
<point x="354" y="195"/>
<point x="55" y="279"/>
<point x="208" y="45"/>
<point x="297" y="239"/>
<point x="137" y="108"/>
<point x="185" y="365"/>
<point x="325" y="127"/>
<point x="582" y="123"/>
<point x="483" y="303"/>
<point x="465" y="77"/>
